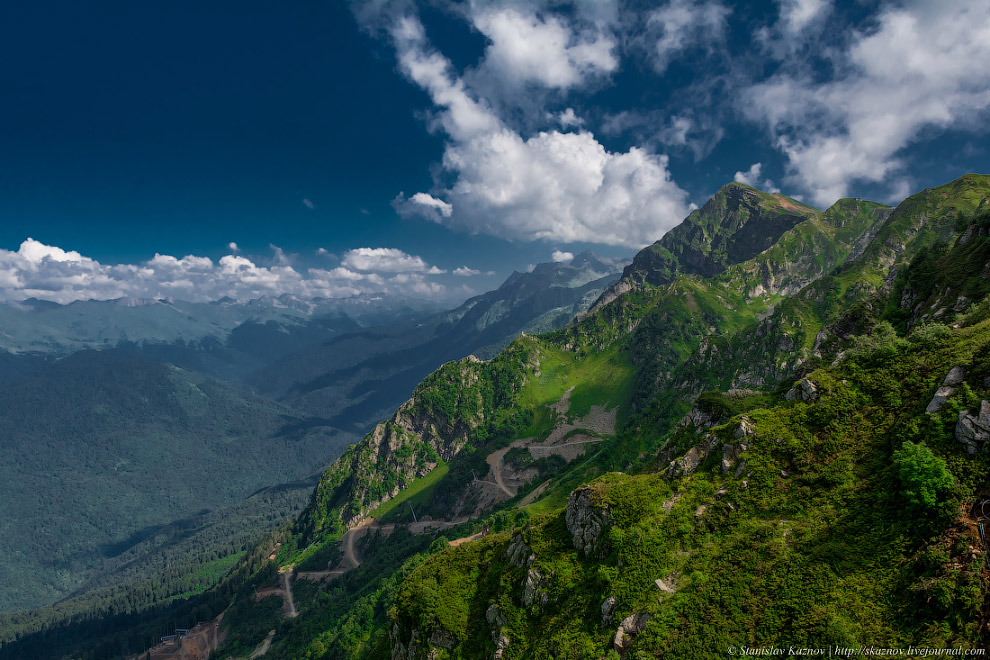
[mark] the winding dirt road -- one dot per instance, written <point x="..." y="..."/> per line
<point x="496" y="460"/>
<point x="352" y="559"/>
<point x="263" y="649"/>
<point x="287" y="586"/>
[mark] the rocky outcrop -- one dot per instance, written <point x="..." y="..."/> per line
<point x="731" y="453"/>
<point x="534" y="591"/>
<point x="497" y="621"/>
<point x="440" y="638"/>
<point x="744" y="429"/>
<point x="414" y="649"/>
<point x="942" y="395"/>
<point x="803" y="390"/>
<point x="973" y="431"/>
<point x="400" y="650"/>
<point x="610" y="294"/>
<point x="518" y="554"/>
<point x="694" y="457"/>
<point x="535" y="584"/>
<point x="631" y="626"/>
<point x="587" y="521"/>
<point x="699" y="419"/>
<point x="608" y="610"/>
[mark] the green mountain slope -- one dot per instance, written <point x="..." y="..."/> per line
<point x="656" y="334"/>
<point x="838" y="514"/>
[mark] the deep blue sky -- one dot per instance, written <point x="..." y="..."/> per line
<point x="130" y="129"/>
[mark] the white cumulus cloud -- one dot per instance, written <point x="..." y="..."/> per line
<point x="914" y="72"/>
<point x="423" y="204"/>
<point x="525" y="47"/>
<point x="560" y="257"/>
<point x="551" y="185"/>
<point x="751" y="177"/>
<point x="386" y="260"/>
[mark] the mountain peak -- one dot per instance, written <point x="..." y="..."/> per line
<point x="736" y="224"/>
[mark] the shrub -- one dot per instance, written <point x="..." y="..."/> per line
<point x="925" y="480"/>
<point x="881" y="345"/>
<point x="930" y="334"/>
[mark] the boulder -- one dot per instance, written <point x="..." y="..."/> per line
<point x="941" y="396"/>
<point x="740" y="470"/>
<point x="973" y="431"/>
<point x="665" y="586"/>
<point x="955" y="377"/>
<point x="631" y="626"/>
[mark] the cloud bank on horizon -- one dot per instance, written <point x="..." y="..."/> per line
<point x="838" y="94"/>
<point x="47" y="272"/>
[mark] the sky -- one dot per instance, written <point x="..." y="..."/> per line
<point x="428" y="149"/>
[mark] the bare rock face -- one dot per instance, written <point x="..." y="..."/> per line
<point x="518" y="553"/>
<point x="631" y="626"/>
<point x="414" y="649"/>
<point x="973" y="431"/>
<point x="804" y="390"/>
<point x="442" y="639"/>
<point x="608" y="610"/>
<point x="744" y="429"/>
<point x="400" y="650"/>
<point x="699" y="419"/>
<point x="534" y="590"/>
<point x="610" y="294"/>
<point x="497" y="621"/>
<point x="534" y="585"/>
<point x="587" y="521"/>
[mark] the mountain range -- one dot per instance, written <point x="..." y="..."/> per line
<point x="121" y="419"/>
<point x="770" y="431"/>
